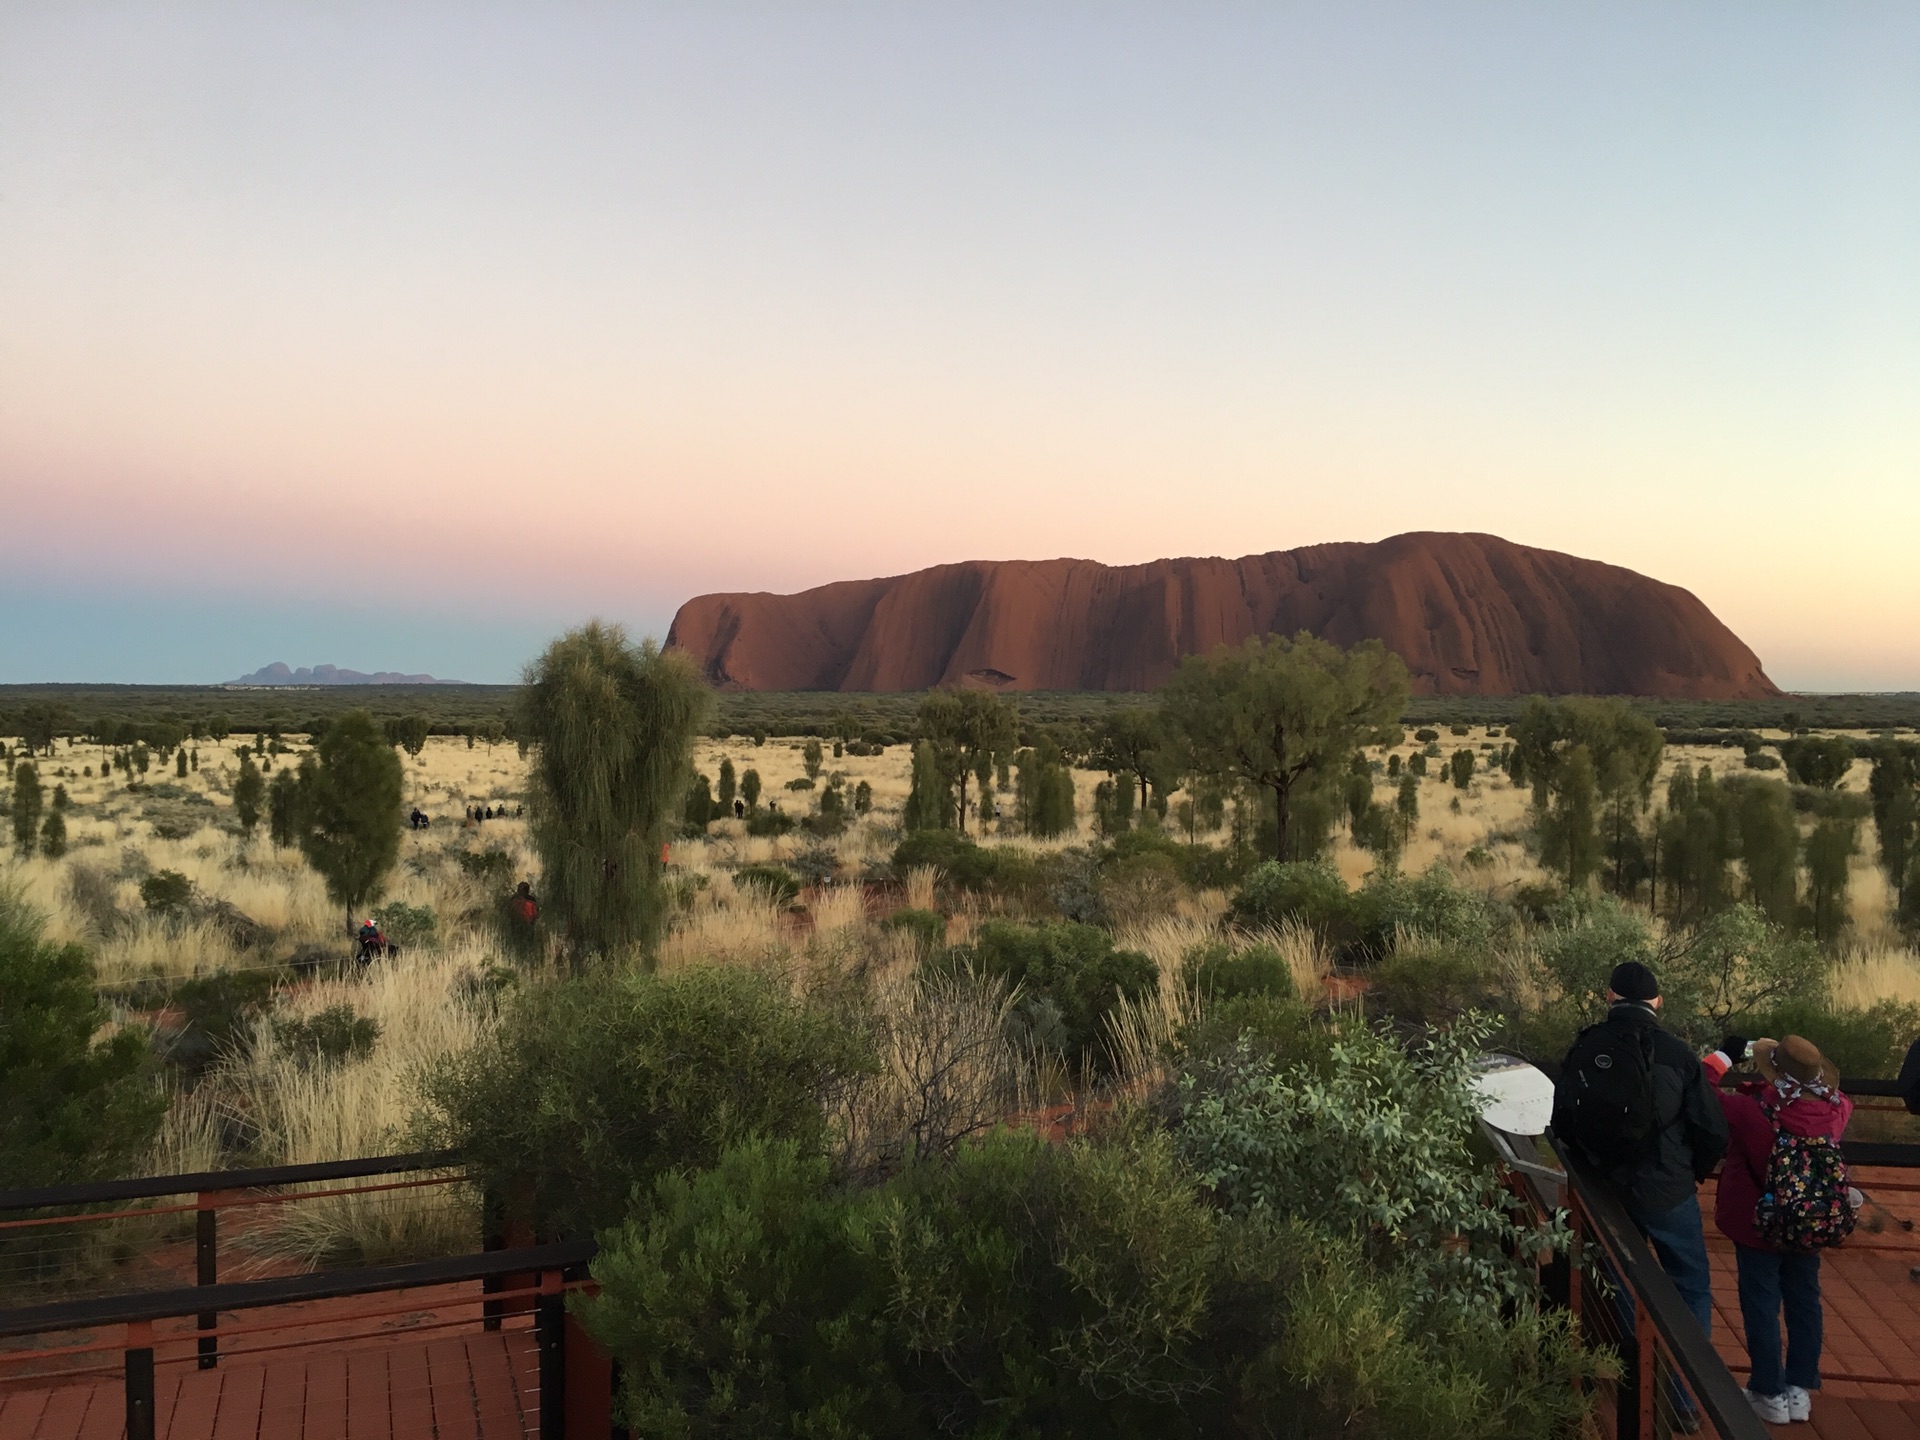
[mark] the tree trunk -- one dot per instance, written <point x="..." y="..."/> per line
<point x="1282" y="794"/>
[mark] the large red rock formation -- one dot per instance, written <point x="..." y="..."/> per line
<point x="1470" y="614"/>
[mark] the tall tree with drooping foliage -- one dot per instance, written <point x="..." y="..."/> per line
<point x="613" y="726"/>
<point x="1131" y="744"/>
<point x="964" y="725"/>
<point x="727" y="786"/>
<point x="1592" y="764"/>
<point x="1894" y="789"/>
<point x="1043" y="790"/>
<point x="249" y="791"/>
<point x="930" y="792"/>
<point x="1830" y="848"/>
<point x="349" y="810"/>
<point x="1284" y="714"/>
<point x="27" y="804"/>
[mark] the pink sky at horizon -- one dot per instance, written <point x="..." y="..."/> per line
<point x="570" y="311"/>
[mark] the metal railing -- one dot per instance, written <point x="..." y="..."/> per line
<point x="47" y="1248"/>
<point x="1671" y="1379"/>
<point x="545" y="1273"/>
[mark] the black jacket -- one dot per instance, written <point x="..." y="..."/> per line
<point x="1690" y="1127"/>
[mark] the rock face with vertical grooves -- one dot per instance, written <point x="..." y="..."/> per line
<point x="1470" y="615"/>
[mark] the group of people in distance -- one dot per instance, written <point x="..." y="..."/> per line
<point x="1638" y="1105"/>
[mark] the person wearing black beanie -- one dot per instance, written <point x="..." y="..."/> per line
<point x="1633" y="1104"/>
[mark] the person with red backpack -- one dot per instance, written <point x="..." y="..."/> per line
<point x="523" y="907"/>
<point x="1783" y="1198"/>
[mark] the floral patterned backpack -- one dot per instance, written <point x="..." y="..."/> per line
<point x="1803" y="1204"/>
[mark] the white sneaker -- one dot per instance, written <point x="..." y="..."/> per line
<point x="1770" y="1408"/>
<point x="1799" y="1403"/>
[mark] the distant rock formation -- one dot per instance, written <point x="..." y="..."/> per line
<point x="1470" y="615"/>
<point x="278" y="674"/>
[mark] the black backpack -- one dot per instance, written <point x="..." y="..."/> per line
<point x="1603" y="1105"/>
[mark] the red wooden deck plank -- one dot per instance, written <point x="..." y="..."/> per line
<point x="1887" y="1419"/>
<point x="452" y="1387"/>
<point x="496" y="1396"/>
<point x="283" y="1400"/>
<point x="241" y="1391"/>
<point x="369" y="1402"/>
<point x="196" y="1407"/>
<point x="326" y="1397"/>
<point x="410" y="1388"/>
<point x="66" y="1411"/>
<point x="106" y="1412"/>
<point x="20" y="1414"/>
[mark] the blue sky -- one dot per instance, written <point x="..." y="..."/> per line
<point x="400" y="336"/>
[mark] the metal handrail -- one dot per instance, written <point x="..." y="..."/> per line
<point x="255" y="1294"/>
<point x="1693" y="1354"/>
<point x="144" y="1187"/>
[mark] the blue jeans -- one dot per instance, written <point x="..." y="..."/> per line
<point x="1769" y="1281"/>
<point x="1681" y="1247"/>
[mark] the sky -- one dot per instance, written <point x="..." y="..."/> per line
<point x="402" y="336"/>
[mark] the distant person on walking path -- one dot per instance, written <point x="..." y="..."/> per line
<point x="1783" y="1198"/>
<point x="1634" y="1102"/>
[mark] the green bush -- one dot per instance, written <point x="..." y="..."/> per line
<point x="1310" y="892"/>
<point x="1218" y="973"/>
<point x="216" y="1015"/>
<point x="1760" y="760"/>
<point x="1363" y="924"/>
<point x="491" y="867"/>
<point x="1433" y="985"/>
<point x="1024" y="1289"/>
<point x="591" y="1089"/>
<point x="967" y="866"/>
<point x="333" y="1036"/>
<point x="1864" y="1044"/>
<point x="407" y="925"/>
<point x="928" y="927"/>
<point x="776" y="882"/>
<point x="1069" y="977"/>
<point x="166" y="892"/>
<point x="72" y="1107"/>
<point x="1426" y="735"/>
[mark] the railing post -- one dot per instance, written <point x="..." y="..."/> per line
<point x="1646" y="1369"/>
<point x="139" y="1380"/>
<point x="206" y="1256"/>
<point x="550" y="1328"/>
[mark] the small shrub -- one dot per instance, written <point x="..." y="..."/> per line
<point x="1426" y="735"/>
<point x="491" y="867"/>
<point x="1069" y="978"/>
<point x="590" y="1090"/>
<point x="216" y="1015"/>
<point x="334" y="1036"/>
<point x="928" y="927"/>
<point x="1760" y="760"/>
<point x="166" y="892"/>
<point x="1219" y="973"/>
<point x="776" y="882"/>
<point x="407" y="925"/>
<point x="800" y="782"/>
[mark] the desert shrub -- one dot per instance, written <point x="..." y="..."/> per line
<point x="1426" y="735"/>
<point x="1311" y="892"/>
<point x="1363" y="924"/>
<point x="1141" y="886"/>
<point x="800" y="782"/>
<point x="407" y="925"/>
<point x="1069" y="979"/>
<point x="968" y="866"/>
<point x="1080" y="1291"/>
<point x="216" y="1015"/>
<point x="76" y="1102"/>
<point x="166" y="892"/>
<point x="928" y="927"/>
<point x="490" y="867"/>
<point x="1425" y="984"/>
<point x="1372" y="1144"/>
<point x="1262" y="1026"/>
<point x="1587" y="936"/>
<point x="334" y="1035"/>
<point x="770" y="823"/>
<point x="776" y="882"/>
<point x="1865" y="1044"/>
<point x="1760" y="760"/>
<point x="591" y="1089"/>
<point x="1429" y="904"/>
<point x="1217" y="972"/>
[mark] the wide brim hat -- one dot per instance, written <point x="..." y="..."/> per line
<point x="1796" y="1058"/>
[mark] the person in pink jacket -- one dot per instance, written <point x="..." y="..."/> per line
<point x="1798" y="1092"/>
